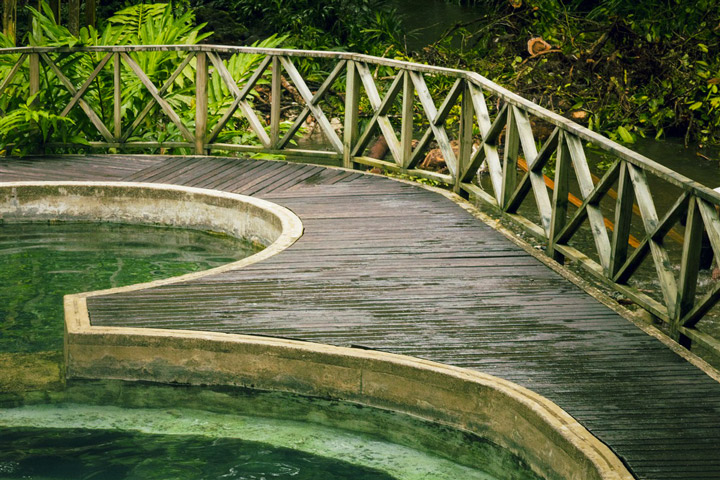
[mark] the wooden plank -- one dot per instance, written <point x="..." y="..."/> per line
<point x="593" y="199"/>
<point x="712" y="226"/>
<point x="541" y="160"/>
<point x="34" y="74"/>
<point x="393" y="167"/>
<point x="466" y="139"/>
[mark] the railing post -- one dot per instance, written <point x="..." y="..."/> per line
<point x="406" y="128"/>
<point x="275" y="97"/>
<point x="560" y="197"/>
<point x="510" y="159"/>
<point x="466" y="141"/>
<point x="352" y="97"/>
<point x="201" y="102"/>
<point x="117" y="97"/>
<point x="34" y="59"/>
<point x="623" y="217"/>
<point x="689" y="266"/>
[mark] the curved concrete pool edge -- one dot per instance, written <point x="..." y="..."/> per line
<point x="532" y="427"/>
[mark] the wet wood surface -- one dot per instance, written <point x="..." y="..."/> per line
<point x="393" y="267"/>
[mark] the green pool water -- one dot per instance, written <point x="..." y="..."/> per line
<point x="138" y="430"/>
<point x="41" y="262"/>
<point x="115" y="455"/>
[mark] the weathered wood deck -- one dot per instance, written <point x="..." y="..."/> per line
<point x="393" y="267"/>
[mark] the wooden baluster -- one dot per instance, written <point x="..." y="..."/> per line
<point x="352" y="99"/>
<point x="117" y="97"/>
<point x="623" y="217"/>
<point x="34" y="73"/>
<point x="275" y="97"/>
<point x="560" y="197"/>
<point x="406" y="129"/>
<point x="689" y="268"/>
<point x="466" y="140"/>
<point x="201" y="102"/>
<point x="510" y="159"/>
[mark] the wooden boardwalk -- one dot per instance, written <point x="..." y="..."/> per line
<point x="390" y="266"/>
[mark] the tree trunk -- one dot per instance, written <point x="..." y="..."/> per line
<point x="10" y="18"/>
<point x="90" y="12"/>
<point x="74" y="16"/>
<point x="55" y="7"/>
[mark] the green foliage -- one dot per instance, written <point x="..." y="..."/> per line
<point x="28" y="129"/>
<point x="640" y="67"/>
<point x="366" y="26"/>
<point x="29" y="126"/>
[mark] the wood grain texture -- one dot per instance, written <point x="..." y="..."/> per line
<point x="393" y="267"/>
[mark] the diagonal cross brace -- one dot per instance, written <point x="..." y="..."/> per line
<point x="436" y="118"/>
<point x="315" y="100"/>
<point x="380" y="108"/>
<point x="164" y="105"/>
<point x="595" y="215"/>
<point x="660" y="257"/>
<point x="166" y="86"/>
<point x="315" y="109"/>
<point x="240" y="101"/>
<point x="490" y="132"/>
<point x="13" y="72"/>
<point x="81" y="91"/>
<point x="83" y="104"/>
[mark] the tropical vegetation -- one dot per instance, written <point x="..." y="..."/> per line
<point x="625" y="69"/>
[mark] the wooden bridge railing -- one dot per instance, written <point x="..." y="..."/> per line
<point x="472" y="122"/>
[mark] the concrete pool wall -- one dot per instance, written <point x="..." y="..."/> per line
<point x="551" y="442"/>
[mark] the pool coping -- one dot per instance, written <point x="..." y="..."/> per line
<point x="553" y="443"/>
